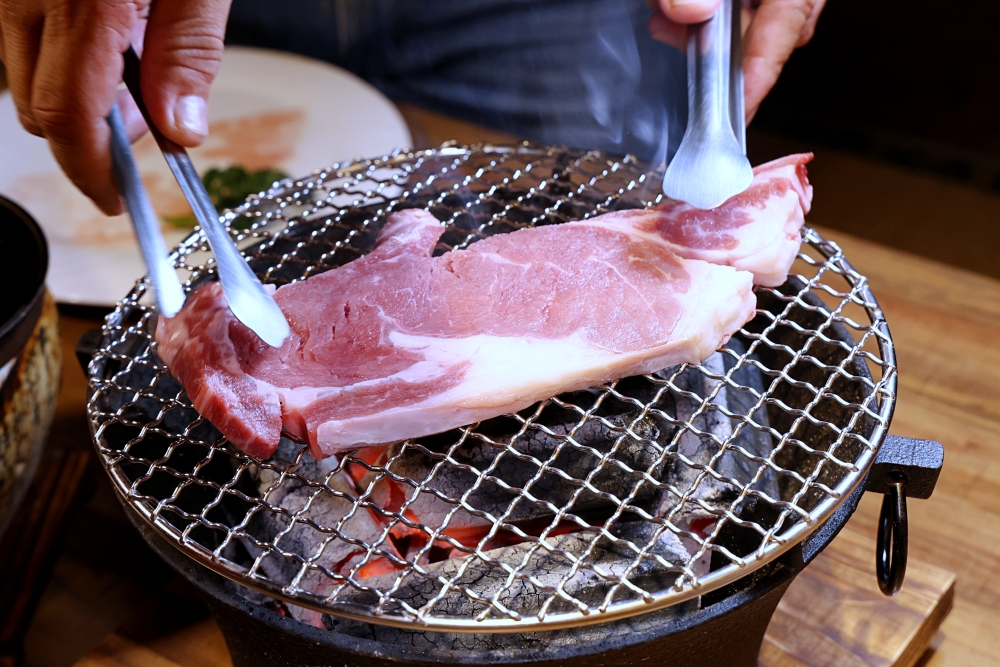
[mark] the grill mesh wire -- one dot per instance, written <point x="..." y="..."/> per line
<point x="819" y="343"/>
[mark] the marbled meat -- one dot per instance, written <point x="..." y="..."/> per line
<point x="400" y="344"/>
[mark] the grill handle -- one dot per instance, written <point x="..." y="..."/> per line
<point x="918" y="461"/>
<point x="904" y="467"/>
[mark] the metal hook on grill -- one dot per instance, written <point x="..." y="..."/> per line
<point x="890" y="556"/>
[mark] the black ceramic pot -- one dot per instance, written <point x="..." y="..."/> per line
<point x="29" y="354"/>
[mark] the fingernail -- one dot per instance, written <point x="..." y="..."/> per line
<point x="190" y="115"/>
<point x="112" y="207"/>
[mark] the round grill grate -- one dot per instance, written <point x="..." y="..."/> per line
<point x="587" y="507"/>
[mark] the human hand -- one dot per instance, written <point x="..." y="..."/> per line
<point x="772" y="29"/>
<point x="64" y="64"/>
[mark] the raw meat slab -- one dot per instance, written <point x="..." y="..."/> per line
<point x="400" y="344"/>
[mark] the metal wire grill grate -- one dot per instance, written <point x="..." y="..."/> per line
<point x="588" y="507"/>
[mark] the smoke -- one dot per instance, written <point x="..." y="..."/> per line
<point x="581" y="73"/>
<point x="617" y="52"/>
<point x="635" y="88"/>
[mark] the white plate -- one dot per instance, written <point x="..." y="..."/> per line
<point x="267" y="109"/>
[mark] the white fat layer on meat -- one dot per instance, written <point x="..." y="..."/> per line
<point x="507" y="374"/>
<point x="770" y="263"/>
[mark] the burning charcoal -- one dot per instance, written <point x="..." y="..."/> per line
<point x="519" y="466"/>
<point x="547" y="569"/>
<point x="607" y="559"/>
<point x="321" y="510"/>
<point x="425" y="507"/>
<point x="733" y="464"/>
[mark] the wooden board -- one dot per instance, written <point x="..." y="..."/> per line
<point x="833" y="615"/>
<point x="200" y="645"/>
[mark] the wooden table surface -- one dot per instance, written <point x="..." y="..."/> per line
<point x="946" y="326"/>
<point x="854" y="625"/>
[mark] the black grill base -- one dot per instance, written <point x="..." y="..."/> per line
<point x="256" y="638"/>
<point x="727" y="633"/>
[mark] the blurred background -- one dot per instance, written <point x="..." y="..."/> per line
<point x="902" y="107"/>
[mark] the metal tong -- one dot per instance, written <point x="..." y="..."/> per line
<point x="250" y="302"/>
<point x="166" y="288"/>
<point x="710" y="165"/>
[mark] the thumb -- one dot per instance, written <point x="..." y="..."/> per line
<point x="180" y="58"/>
<point x="689" y="11"/>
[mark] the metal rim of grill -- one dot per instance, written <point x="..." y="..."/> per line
<point x="178" y="474"/>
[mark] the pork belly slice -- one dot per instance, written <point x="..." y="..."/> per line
<point x="399" y="344"/>
<point x="758" y="230"/>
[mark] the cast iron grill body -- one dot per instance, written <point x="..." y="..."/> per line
<point x="819" y="343"/>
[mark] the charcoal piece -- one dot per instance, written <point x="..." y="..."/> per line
<point x="831" y="413"/>
<point x="511" y="466"/>
<point x="589" y="585"/>
<point x="524" y="596"/>
<point x="733" y="464"/>
<point x="325" y="532"/>
<point x="591" y="442"/>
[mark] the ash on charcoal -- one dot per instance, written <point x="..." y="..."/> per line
<point x="586" y="469"/>
<point x="738" y="462"/>
<point x="607" y="560"/>
<point x="319" y="527"/>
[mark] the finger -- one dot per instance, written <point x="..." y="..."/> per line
<point x="668" y="32"/>
<point x="21" y="36"/>
<point x="689" y="11"/>
<point x="181" y="57"/>
<point x="773" y="35"/>
<point x="746" y="18"/>
<point x="76" y="80"/>
<point x="810" y="27"/>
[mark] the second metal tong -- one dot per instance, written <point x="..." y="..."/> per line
<point x="710" y="165"/>
<point x="250" y="302"/>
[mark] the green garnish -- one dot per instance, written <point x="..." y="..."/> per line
<point x="186" y="221"/>
<point x="228" y="188"/>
